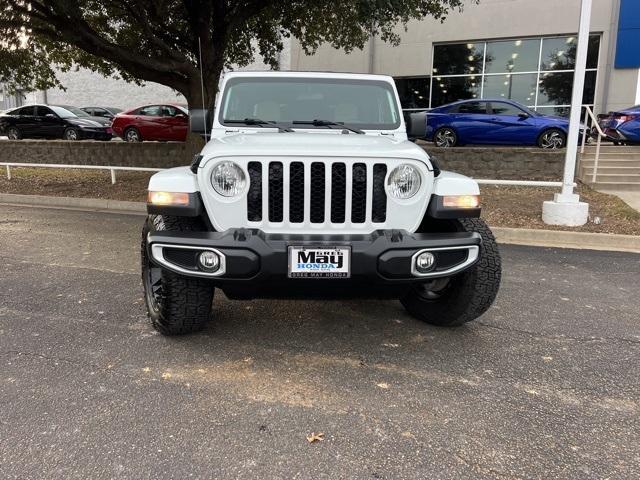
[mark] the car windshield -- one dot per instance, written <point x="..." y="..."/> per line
<point x="76" y="111"/>
<point x="62" y="112"/>
<point x="301" y="101"/>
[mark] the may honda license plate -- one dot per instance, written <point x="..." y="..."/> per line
<point x="319" y="262"/>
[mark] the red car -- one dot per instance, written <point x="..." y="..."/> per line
<point x="164" y="122"/>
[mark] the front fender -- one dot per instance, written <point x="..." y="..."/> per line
<point x="178" y="179"/>
<point x="450" y="183"/>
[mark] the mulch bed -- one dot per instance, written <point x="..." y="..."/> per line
<point x="502" y="206"/>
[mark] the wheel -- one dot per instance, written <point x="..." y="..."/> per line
<point x="176" y="304"/>
<point x="552" y="139"/>
<point x="452" y="301"/>
<point x="13" y="133"/>
<point x="132" y="134"/>
<point x="71" y="134"/>
<point x="445" y="137"/>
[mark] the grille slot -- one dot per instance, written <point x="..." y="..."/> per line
<point x="359" y="193"/>
<point x="296" y="192"/>
<point x="317" y="192"/>
<point x="338" y="192"/>
<point x="276" y="193"/>
<point x="254" y="196"/>
<point x="379" y="198"/>
<point x="300" y="194"/>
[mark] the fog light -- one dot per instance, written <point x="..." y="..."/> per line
<point x="209" y="261"/>
<point x="425" y="262"/>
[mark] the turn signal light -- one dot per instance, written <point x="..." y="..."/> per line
<point x="168" y="198"/>
<point x="461" y="201"/>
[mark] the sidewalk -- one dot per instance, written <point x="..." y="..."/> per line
<point x="630" y="198"/>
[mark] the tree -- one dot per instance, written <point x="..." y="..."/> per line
<point x="158" y="40"/>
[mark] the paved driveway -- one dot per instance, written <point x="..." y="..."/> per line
<point x="545" y="385"/>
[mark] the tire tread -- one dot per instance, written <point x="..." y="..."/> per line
<point x="185" y="303"/>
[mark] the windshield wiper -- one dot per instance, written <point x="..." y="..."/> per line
<point x="261" y="123"/>
<point x="327" y="123"/>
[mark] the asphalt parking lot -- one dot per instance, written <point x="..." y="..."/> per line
<point x="545" y="385"/>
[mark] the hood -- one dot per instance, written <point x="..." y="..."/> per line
<point x="84" y="122"/>
<point x="105" y="122"/>
<point x="303" y="144"/>
<point x="556" y="118"/>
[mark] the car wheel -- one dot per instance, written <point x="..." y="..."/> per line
<point x="452" y="301"/>
<point x="71" y="134"/>
<point x="13" y="134"/>
<point x="445" y="137"/>
<point x="176" y="304"/>
<point x="552" y="139"/>
<point x="132" y="134"/>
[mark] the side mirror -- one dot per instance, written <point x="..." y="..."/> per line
<point x="200" y="121"/>
<point x="417" y="127"/>
<point x="523" y="116"/>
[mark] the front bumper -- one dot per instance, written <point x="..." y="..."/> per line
<point x="97" y="134"/>
<point x="255" y="264"/>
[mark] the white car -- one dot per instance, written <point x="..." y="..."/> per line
<point x="309" y="188"/>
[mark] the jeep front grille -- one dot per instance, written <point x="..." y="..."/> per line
<point x="336" y="193"/>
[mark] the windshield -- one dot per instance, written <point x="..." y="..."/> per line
<point x="363" y="104"/>
<point x="76" y="111"/>
<point x="63" y="112"/>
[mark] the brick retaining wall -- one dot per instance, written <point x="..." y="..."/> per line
<point x="503" y="163"/>
<point x="145" y="154"/>
<point x="492" y="163"/>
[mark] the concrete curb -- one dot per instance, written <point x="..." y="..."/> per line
<point x="98" y="204"/>
<point x="516" y="236"/>
<point x="564" y="239"/>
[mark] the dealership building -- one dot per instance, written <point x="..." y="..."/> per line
<point x="522" y="50"/>
<point x="518" y="49"/>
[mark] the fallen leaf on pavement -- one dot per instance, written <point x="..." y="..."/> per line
<point x="315" y="437"/>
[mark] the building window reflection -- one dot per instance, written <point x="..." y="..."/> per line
<point x="537" y="72"/>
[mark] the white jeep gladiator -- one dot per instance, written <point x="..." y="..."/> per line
<point x="308" y="187"/>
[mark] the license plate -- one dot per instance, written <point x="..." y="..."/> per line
<point x="319" y="262"/>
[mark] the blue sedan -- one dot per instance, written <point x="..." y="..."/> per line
<point x="622" y="126"/>
<point x="494" y="122"/>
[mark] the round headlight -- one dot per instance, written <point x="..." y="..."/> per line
<point x="228" y="179"/>
<point x="403" y="182"/>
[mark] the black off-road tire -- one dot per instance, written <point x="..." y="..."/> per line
<point x="466" y="296"/>
<point x="176" y="304"/>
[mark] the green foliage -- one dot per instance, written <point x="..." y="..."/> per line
<point x="157" y="40"/>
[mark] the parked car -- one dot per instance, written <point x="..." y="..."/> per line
<point x="163" y="122"/>
<point x="494" y="122"/>
<point x="622" y="126"/>
<point x="50" y="121"/>
<point x="104" y="112"/>
<point x="78" y="112"/>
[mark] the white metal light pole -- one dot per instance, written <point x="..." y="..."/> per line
<point x="566" y="207"/>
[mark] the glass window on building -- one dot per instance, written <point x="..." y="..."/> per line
<point x="512" y="56"/>
<point x="510" y="86"/>
<point x="449" y="89"/>
<point x="414" y="92"/>
<point x="458" y="59"/>
<point x="537" y="72"/>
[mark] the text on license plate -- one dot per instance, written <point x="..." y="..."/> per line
<point x="319" y="262"/>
